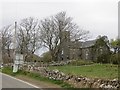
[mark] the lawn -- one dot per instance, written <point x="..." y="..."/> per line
<point x="103" y="71"/>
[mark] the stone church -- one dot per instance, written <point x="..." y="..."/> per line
<point x="73" y="50"/>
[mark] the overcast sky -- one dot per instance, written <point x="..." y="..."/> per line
<point x="100" y="17"/>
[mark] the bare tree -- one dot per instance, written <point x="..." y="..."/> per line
<point x="28" y="41"/>
<point x="6" y="35"/>
<point x="51" y="31"/>
<point x="49" y="35"/>
<point x="1" y="48"/>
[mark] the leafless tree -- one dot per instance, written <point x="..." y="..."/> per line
<point x="27" y="36"/>
<point x="51" y="30"/>
<point x="6" y="36"/>
<point x="49" y="35"/>
<point x="31" y="34"/>
<point x="1" y="48"/>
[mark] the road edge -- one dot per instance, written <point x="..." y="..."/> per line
<point x="22" y="81"/>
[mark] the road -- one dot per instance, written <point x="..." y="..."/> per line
<point x="11" y="82"/>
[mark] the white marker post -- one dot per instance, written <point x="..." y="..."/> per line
<point x="15" y="66"/>
<point x="18" y="61"/>
<point x="18" y="58"/>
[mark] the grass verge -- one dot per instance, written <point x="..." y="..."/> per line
<point x="36" y="76"/>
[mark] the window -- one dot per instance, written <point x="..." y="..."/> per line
<point x="86" y="53"/>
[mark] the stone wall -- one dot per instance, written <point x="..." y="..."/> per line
<point x="76" y="81"/>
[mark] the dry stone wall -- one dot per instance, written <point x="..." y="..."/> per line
<point x="76" y="81"/>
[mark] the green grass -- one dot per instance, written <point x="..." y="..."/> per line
<point x="36" y="76"/>
<point x="80" y="62"/>
<point x="103" y="71"/>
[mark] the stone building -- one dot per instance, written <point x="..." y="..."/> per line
<point x="79" y="50"/>
<point x="82" y="50"/>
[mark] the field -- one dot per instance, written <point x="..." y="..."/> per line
<point x="103" y="71"/>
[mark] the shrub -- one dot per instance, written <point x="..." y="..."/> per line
<point x="114" y="58"/>
<point x="103" y="58"/>
<point x="46" y="57"/>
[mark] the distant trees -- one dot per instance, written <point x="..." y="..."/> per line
<point x="107" y="51"/>
<point x="6" y="39"/>
<point x="102" y="49"/>
<point x="115" y="44"/>
<point x="46" y="57"/>
<point x="115" y="56"/>
<point x="27" y="36"/>
<point x="52" y="28"/>
<point x="32" y="34"/>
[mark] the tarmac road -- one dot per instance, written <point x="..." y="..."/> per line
<point x="11" y="83"/>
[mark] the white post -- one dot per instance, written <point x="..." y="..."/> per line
<point x="15" y="67"/>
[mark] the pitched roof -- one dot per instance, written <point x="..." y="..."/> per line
<point x="87" y="44"/>
<point x="78" y="44"/>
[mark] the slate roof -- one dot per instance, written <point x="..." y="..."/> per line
<point x="78" y="44"/>
<point x="87" y="44"/>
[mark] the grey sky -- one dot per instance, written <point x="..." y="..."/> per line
<point x="100" y="17"/>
